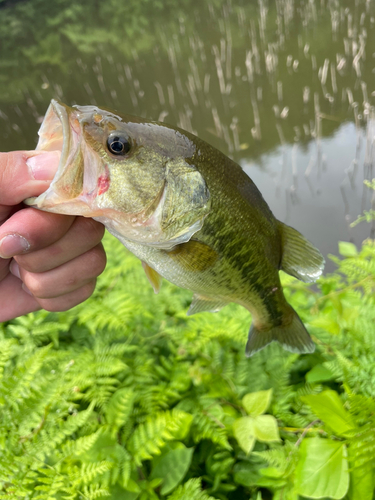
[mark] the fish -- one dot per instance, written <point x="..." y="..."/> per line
<point x="186" y="210"/>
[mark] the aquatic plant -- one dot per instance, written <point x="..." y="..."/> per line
<point x="126" y="397"/>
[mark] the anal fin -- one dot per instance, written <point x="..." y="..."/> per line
<point x="201" y="303"/>
<point x="299" y="257"/>
<point x="153" y="277"/>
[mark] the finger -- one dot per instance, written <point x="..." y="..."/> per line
<point x="4" y="268"/>
<point x="29" y="230"/>
<point x="69" y="300"/>
<point x="6" y="212"/>
<point x="14" y="301"/>
<point x="25" y="173"/>
<point x="83" y="235"/>
<point x="63" y="279"/>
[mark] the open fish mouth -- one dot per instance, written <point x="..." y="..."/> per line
<point x="61" y="131"/>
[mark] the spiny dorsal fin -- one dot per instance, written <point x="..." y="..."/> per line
<point x="153" y="277"/>
<point x="205" y="304"/>
<point x="299" y="257"/>
<point x="293" y="337"/>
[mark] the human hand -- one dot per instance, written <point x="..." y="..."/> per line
<point x="47" y="260"/>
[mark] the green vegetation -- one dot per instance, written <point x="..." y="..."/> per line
<point x="124" y="397"/>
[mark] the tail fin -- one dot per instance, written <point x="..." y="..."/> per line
<point x="293" y="337"/>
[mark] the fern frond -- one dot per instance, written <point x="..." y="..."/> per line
<point x="80" y="445"/>
<point x="89" y="472"/>
<point x="205" y="427"/>
<point x="19" y="385"/>
<point x="119" y="408"/>
<point x="54" y="434"/>
<point x="149" y="437"/>
<point x="191" y="490"/>
<point x="7" y="349"/>
<point x="94" y="491"/>
<point x="52" y="482"/>
<point x="274" y="457"/>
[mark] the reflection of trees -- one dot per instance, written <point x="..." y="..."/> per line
<point x="245" y="77"/>
<point x="35" y="35"/>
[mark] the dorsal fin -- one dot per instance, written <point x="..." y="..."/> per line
<point x="299" y="257"/>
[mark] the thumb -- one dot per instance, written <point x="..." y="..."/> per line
<point x="26" y="173"/>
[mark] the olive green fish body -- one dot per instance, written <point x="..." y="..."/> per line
<point x="188" y="212"/>
<point x="242" y="239"/>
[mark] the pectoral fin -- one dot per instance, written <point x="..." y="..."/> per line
<point x="205" y="304"/>
<point x="187" y="200"/>
<point x="299" y="257"/>
<point x="153" y="277"/>
<point x="194" y="255"/>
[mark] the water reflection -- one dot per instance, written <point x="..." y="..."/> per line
<point x="320" y="198"/>
<point x="286" y="87"/>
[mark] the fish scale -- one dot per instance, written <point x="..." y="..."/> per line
<point x="188" y="212"/>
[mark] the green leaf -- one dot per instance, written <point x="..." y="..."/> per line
<point x="265" y="428"/>
<point x="272" y="472"/>
<point x="319" y="373"/>
<point x="243" y="429"/>
<point x="322" y="470"/>
<point x="246" y="474"/>
<point x="271" y="477"/>
<point x="118" y="493"/>
<point x="271" y="483"/>
<point x="128" y="495"/>
<point x="328" y="407"/>
<point x="133" y="487"/>
<point x="172" y="466"/>
<point x="256" y="403"/>
<point x="362" y="481"/>
<point x="285" y="494"/>
<point x="347" y="249"/>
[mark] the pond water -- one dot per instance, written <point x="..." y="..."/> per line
<point x="284" y="87"/>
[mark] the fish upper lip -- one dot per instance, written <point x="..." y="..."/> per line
<point x="58" y="132"/>
<point x="62" y="114"/>
<point x="54" y="133"/>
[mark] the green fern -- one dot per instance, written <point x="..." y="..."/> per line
<point x="87" y="407"/>
<point x="119" y="408"/>
<point x="191" y="490"/>
<point x="206" y="426"/>
<point x="150" y="436"/>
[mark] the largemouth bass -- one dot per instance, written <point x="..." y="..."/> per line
<point x="188" y="212"/>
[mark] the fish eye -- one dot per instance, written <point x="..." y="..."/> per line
<point x="118" y="144"/>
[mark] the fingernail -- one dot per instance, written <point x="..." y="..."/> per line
<point x="14" y="268"/>
<point x="25" y="289"/>
<point x="43" y="166"/>
<point x="13" y="244"/>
